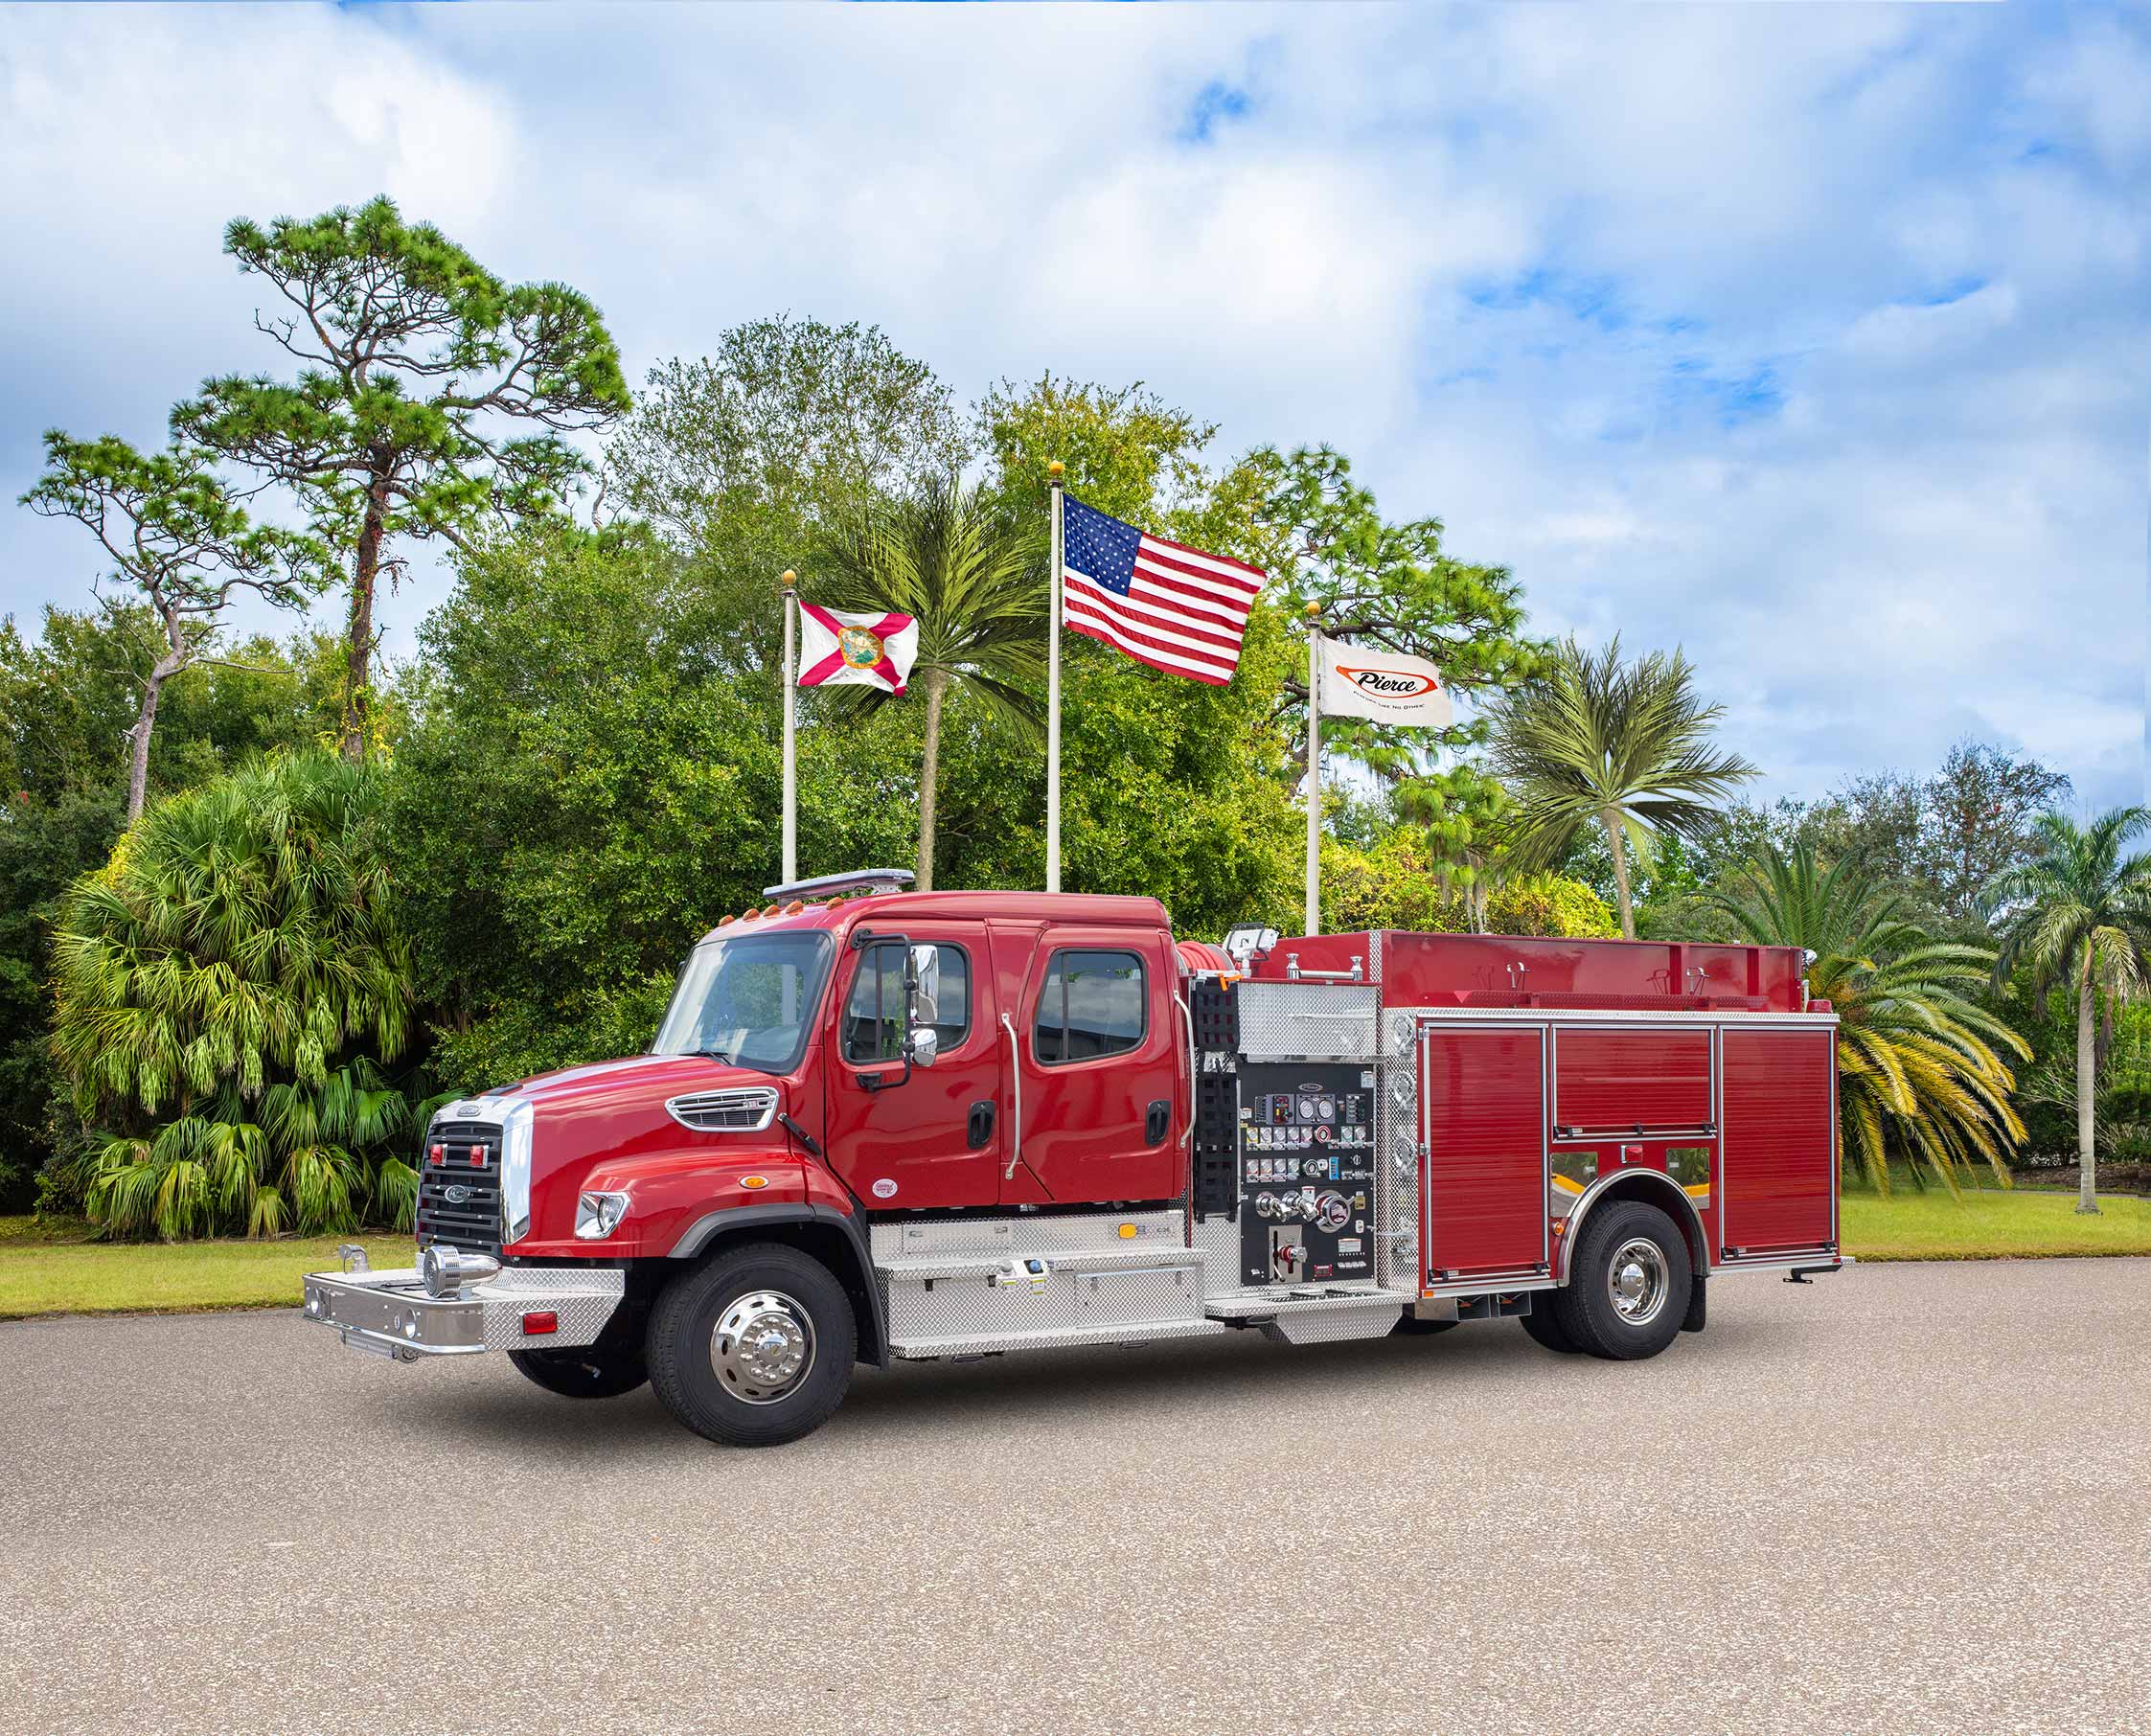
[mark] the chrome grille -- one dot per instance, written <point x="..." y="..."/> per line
<point x="459" y="1190"/>
<point x="743" y="1110"/>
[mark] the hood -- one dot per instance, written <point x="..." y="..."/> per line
<point x="635" y="1079"/>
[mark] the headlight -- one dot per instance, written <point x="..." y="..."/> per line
<point x="597" y="1215"/>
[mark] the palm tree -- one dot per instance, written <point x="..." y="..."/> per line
<point x="1917" y="1060"/>
<point x="979" y="595"/>
<point x="1623" y="746"/>
<point x="2079" y="913"/>
<point x="223" y="989"/>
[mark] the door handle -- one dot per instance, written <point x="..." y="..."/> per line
<point x="980" y="1129"/>
<point x="1158" y="1121"/>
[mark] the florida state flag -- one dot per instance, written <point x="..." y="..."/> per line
<point x="837" y="647"/>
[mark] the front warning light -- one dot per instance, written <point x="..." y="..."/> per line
<point x="540" y="1321"/>
<point x="439" y="1154"/>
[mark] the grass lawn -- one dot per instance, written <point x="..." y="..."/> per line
<point x="1988" y="1223"/>
<point x="46" y="1270"/>
<point x="56" y="1269"/>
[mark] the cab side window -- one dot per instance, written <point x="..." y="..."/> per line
<point x="1092" y="1004"/>
<point x="874" y="1015"/>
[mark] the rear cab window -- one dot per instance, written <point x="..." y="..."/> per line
<point x="1095" y="1002"/>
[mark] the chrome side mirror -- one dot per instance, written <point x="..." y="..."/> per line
<point x="922" y="1046"/>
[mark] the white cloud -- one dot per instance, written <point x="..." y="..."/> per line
<point x="1814" y="340"/>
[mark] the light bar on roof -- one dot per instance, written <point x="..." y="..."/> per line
<point x="829" y="885"/>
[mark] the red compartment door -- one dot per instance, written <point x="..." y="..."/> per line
<point x="1616" y="1079"/>
<point x="1483" y="1183"/>
<point x="1778" y="1160"/>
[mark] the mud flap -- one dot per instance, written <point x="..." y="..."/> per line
<point x="1698" y="1308"/>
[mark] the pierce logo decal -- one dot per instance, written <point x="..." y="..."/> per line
<point x="1391" y="683"/>
<point x="885" y="1189"/>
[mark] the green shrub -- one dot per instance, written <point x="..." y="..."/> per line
<point x="227" y="990"/>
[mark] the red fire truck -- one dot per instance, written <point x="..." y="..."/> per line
<point x="879" y="1123"/>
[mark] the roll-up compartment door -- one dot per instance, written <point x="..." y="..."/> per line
<point x="1483" y="1096"/>
<point x="1620" y="1080"/>
<point x="1778" y="1161"/>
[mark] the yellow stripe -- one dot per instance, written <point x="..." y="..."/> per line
<point x="1567" y="1185"/>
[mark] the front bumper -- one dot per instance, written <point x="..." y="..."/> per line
<point x="389" y="1312"/>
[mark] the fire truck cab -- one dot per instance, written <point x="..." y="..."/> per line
<point x="883" y="1124"/>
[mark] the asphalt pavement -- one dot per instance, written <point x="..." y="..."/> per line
<point x="1905" y="1498"/>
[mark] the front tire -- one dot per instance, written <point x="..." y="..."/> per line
<point x="1629" y="1282"/>
<point x="585" y="1373"/>
<point x="753" y="1347"/>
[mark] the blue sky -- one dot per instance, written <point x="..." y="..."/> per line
<point x="1812" y="340"/>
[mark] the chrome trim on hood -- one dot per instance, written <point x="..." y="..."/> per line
<point x="735" y="1110"/>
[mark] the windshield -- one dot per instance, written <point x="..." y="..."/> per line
<point x="747" y="1000"/>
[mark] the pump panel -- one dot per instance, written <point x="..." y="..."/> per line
<point x="1306" y="1173"/>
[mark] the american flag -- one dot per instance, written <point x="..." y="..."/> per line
<point x="1164" y="603"/>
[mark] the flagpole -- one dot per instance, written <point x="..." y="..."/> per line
<point x="1053" y="696"/>
<point x="1314" y="770"/>
<point x="790" y="582"/>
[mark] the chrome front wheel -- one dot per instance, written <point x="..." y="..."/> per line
<point x="763" y="1347"/>
<point x="754" y="1345"/>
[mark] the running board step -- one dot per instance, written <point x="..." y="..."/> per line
<point x="1305" y="1314"/>
<point x="1049" y="1337"/>
<point x="1121" y="1257"/>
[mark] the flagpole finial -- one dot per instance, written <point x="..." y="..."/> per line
<point x="1055" y="468"/>
<point x="789" y="579"/>
<point x="1313" y="610"/>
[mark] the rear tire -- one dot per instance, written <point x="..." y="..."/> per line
<point x="585" y="1373"/>
<point x="754" y="1346"/>
<point x="1629" y="1282"/>
<point x="1543" y="1325"/>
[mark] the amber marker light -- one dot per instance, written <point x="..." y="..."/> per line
<point x="754" y="1181"/>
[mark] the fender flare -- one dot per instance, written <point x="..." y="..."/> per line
<point x="1654" y="1187"/>
<point x="705" y="1229"/>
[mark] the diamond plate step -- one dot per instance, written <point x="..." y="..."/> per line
<point x="1119" y="1257"/>
<point x="1298" y="1299"/>
<point x="1311" y="1314"/>
<point x="914" y="1350"/>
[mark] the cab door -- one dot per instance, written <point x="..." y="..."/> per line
<point x="934" y="1140"/>
<point x="1095" y="1040"/>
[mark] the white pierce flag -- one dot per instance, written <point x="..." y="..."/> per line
<point x="1385" y="687"/>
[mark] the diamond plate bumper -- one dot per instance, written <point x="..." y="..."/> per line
<point x="389" y="1312"/>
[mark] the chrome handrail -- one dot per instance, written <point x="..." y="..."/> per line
<point x="1015" y="1091"/>
<point x="1187" y="1020"/>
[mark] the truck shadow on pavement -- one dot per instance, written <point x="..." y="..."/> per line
<point x="1491" y="1365"/>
